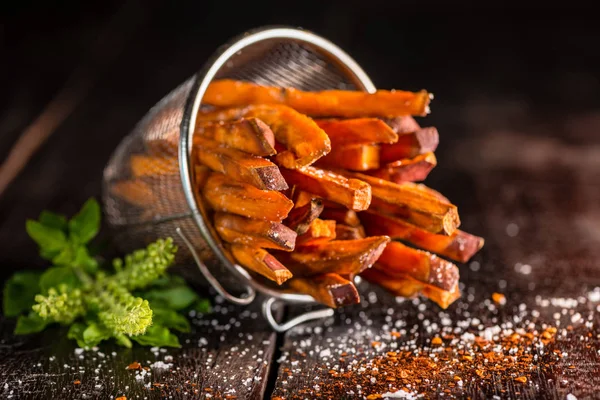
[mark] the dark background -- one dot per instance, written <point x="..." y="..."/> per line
<point x="492" y="69"/>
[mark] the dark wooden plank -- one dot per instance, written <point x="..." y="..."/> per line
<point x="541" y="252"/>
<point x="228" y="354"/>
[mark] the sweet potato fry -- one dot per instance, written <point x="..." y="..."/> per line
<point x="136" y="192"/>
<point x="426" y="190"/>
<point x="299" y="219"/>
<point x="405" y="286"/>
<point x="254" y="232"/>
<point x="399" y="286"/>
<point x="383" y="103"/>
<point x="460" y="246"/>
<point x="319" y="231"/>
<point x="223" y="194"/>
<point x="239" y="166"/>
<point x="443" y="298"/>
<point x="352" y="193"/>
<point x="344" y="132"/>
<point x="409" y="145"/>
<point x="407" y="170"/>
<point x="329" y="289"/>
<point x="355" y="157"/>
<point x="417" y="208"/>
<point x="301" y="197"/>
<point x="304" y="141"/>
<point x="398" y="259"/>
<point x="143" y="165"/>
<point x="249" y="135"/>
<point x="341" y="216"/>
<point x="403" y="124"/>
<point x="261" y="262"/>
<point x="347" y="232"/>
<point x="337" y="256"/>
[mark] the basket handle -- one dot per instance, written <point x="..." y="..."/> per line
<point x="267" y="309"/>
<point x="250" y="292"/>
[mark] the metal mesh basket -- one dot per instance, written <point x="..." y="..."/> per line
<point x="159" y="200"/>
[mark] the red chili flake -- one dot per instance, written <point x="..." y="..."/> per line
<point x="436" y="341"/>
<point x="134" y="365"/>
<point x="499" y="298"/>
<point x="121" y="398"/>
<point x="77" y="382"/>
<point x="521" y="379"/>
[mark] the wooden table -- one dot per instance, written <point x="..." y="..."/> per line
<point x="527" y="182"/>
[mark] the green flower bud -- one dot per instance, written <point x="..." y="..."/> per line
<point x="63" y="305"/>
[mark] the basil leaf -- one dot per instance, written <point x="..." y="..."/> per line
<point x="50" y="240"/>
<point x="202" y="306"/>
<point x="52" y="220"/>
<point x="157" y="336"/>
<point x="176" y="298"/>
<point x="84" y="226"/>
<point x="31" y="323"/>
<point x="85" y="261"/>
<point x="76" y="333"/>
<point x="55" y="276"/>
<point x="123" y="341"/>
<point x="19" y="292"/>
<point x="65" y="257"/>
<point x="94" y="334"/>
<point x="170" y="319"/>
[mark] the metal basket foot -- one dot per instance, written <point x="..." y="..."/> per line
<point x="267" y="309"/>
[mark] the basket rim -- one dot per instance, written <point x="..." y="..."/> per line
<point x="202" y="79"/>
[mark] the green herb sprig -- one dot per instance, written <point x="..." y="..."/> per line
<point x="136" y="299"/>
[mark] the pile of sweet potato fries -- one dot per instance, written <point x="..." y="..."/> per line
<point x="310" y="189"/>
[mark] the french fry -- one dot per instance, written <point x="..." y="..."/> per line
<point x="299" y="219"/>
<point x="402" y="124"/>
<point x="136" y="192"/>
<point x="407" y="170"/>
<point x="355" y="157"/>
<point x="261" y="262"/>
<point x="398" y="259"/>
<point x="428" y="191"/>
<point x="336" y="256"/>
<point x="413" y="205"/>
<point x="304" y="141"/>
<point x="319" y="231"/>
<point x="410" y="145"/>
<point x="249" y="135"/>
<point x="239" y="166"/>
<point x="347" y="232"/>
<point x="254" y="232"/>
<point x="143" y="165"/>
<point x="341" y="216"/>
<point x="223" y="194"/>
<point x="403" y="286"/>
<point x="344" y="132"/>
<point x="301" y="197"/>
<point x="339" y="103"/>
<point x="442" y="297"/>
<point x="460" y="246"/>
<point x="329" y="289"/>
<point x="352" y="193"/>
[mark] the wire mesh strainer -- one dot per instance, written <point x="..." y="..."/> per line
<point x="159" y="199"/>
